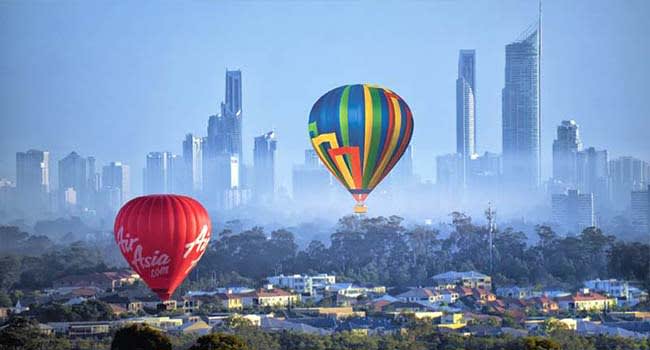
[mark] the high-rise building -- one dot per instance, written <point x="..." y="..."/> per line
<point x="32" y="178"/>
<point x="627" y="174"/>
<point x="449" y="171"/>
<point x="466" y="108"/>
<point x="116" y="183"/>
<point x="484" y="172"/>
<point x="77" y="173"/>
<point x="573" y="210"/>
<point x="193" y="163"/>
<point x="640" y="205"/>
<point x="565" y="149"/>
<point x="592" y="176"/>
<point x="158" y="174"/>
<point x="264" y="166"/>
<point x="521" y="112"/>
<point x="310" y="179"/>
<point x="402" y="174"/>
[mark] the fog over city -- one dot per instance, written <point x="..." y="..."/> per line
<point x="108" y="83"/>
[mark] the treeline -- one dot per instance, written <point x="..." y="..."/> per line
<point x="382" y="250"/>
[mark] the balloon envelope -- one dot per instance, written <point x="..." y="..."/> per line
<point x="162" y="237"/>
<point x="360" y="132"/>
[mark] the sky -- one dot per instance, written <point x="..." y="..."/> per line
<point x="119" y="79"/>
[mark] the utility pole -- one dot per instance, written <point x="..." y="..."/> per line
<point x="490" y="215"/>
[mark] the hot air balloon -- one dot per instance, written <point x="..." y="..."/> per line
<point x="162" y="237"/>
<point x="360" y="132"/>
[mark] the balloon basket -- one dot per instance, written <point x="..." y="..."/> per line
<point x="360" y="208"/>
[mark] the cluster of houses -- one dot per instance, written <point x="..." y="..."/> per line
<point x="463" y="302"/>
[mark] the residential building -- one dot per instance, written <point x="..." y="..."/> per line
<point x="586" y="300"/>
<point x="466" y="108"/>
<point x="193" y="163"/>
<point x="514" y="292"/>
<point x="627" y="174"/>
<point x="449" y="174"/>
<point x="613" y="288"/>
<point x="77" y="173"/>
<point x="593" y="176"/>
<point x="521" y="112"/>
<point x="573" y="210"/>
<point x="565" y="149"/>
<point x="116" y="177"/>
<point x="303" y="284"/>
<point x="305" y="177"/>
<point x="420" y="295"/>
<point x="269" y="296"/>
<point x="484" y="172"/>
<point x="158" y="175"/>
<point x="468" y="279"/>
<point x="640" y="210"/>
<point x="264" y="166"/>
<point x="32" y="179"/>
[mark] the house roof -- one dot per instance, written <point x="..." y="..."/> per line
<point x="592" y="296"/>
<point x="454" y="275"/>
<point x="417" y="293"/>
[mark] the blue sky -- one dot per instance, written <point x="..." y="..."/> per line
<point x="117" y="79"/>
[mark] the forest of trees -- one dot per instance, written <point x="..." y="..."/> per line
<point x="379" y="250"/>
<point x="382" y="250"/>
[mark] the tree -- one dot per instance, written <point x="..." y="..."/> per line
<point x="22" y="333"/>
<point x="140" y="337"/>
<point x="219" y="341"/>
<point x="537" y="343"/>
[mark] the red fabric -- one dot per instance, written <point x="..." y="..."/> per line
<point x="162" y="237"/>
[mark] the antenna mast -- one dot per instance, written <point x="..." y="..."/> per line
<point x="490" y="215"/>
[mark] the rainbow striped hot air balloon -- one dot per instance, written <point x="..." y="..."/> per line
<point x="360" y="132"/>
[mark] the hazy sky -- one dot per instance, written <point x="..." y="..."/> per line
<point x="119" y="79"/>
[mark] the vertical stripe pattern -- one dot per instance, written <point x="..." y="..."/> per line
<point x="360" y="132"/>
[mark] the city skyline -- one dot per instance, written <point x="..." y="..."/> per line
<point x="424" y="159"/>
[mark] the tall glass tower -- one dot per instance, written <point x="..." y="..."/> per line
<point x="466" y="108"/>
<point x="521" y="111"/>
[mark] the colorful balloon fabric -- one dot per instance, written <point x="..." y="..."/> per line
<point x="360" y="132"/>
<point x="162" y="237"/>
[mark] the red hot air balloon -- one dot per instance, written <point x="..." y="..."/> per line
<point x="162" y="237"/>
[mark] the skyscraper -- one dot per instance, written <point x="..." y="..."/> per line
<point x="264" y="166"/>
<point x="466" y="108"/>
<point x="521" y="112"/>
<point x="592" y="175"/>
<point x="77" y="173"/>
<point x="116" y="184"/>
<point x="627" y="174"/>
<point x="32" y="178"/>
<point x="193" y="163"/>
<point x="565" y="149"/>
<point x="158" y="173"/>
<point x="309" y="180"/>
<point x="640" y="205"/>
<point x="573" y="210"/>
<point x="449" y="171"/>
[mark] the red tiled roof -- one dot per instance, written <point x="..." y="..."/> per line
<point x="584" y="297"/>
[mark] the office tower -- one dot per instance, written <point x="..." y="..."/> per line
<point x="521" y="112"/>
<point x="77" y="173"/>
<point x="449" y="171"/>
<point x="310" y="180"/>
<point x="264" y="166"/>
<point x="573" y="210"/>
<point x="402" y="174"/>
<point x="116" y="184"/>
<point x="640" y="205"/>
<point x="592" y="175"/>
<point x="193" y="163"/>
<point x="158" y="174"/>
<point x="627" y="174"/>
<point x="484" y="172"/>
<point x="466" y="108"/>
<point x="233" y="92"/>
<point x="32" y="179"/>
<point x="565" y="149"/>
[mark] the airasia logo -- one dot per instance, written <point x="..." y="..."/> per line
<point x="158" y="263"/>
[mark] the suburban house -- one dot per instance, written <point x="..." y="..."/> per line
<point x="269" y="296"/>
<point x="586" y="300"/>
<point x="419" y="295"/>
<point x="470" y="279"/>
